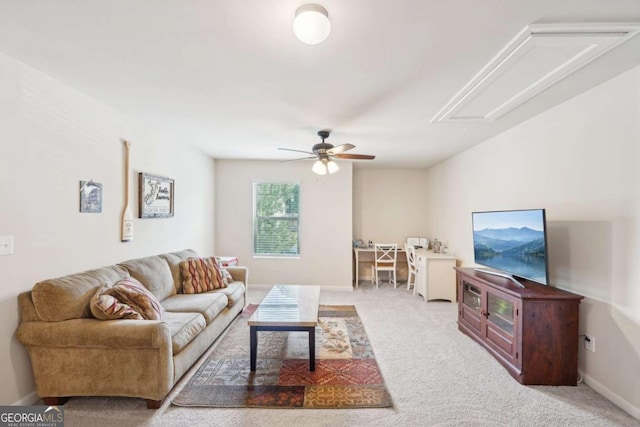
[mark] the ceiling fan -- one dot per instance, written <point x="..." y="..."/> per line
<point x="324" y="153"/>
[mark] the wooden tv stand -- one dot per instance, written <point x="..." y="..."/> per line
<point x="531" y="331"/>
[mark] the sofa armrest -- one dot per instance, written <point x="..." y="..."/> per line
<point x="27" y="309"/>
<point x="93" y="333"/>
<point x="90" y="357"/>
<point x="240" y="274"/>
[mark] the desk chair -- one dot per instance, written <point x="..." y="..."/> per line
<point x="386" y="255"/>
<point x="410" y="250"/>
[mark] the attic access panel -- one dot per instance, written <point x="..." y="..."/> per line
<point x="538" y="57"/>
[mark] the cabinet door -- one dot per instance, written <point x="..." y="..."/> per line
<point x="501" y="332"/>
<point x="441" y="279"/>
<point x="421" y="276"/>
<point x="470" y="305"/>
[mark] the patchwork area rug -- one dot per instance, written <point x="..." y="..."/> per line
<point x="346" y="375"/>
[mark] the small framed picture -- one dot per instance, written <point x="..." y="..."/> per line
<point x="156" y="195"/>
<point x="90" y="197"/>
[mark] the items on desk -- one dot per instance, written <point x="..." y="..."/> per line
<point x="438" y="247"/>
<point x="418" y="242"/>
<point x="361" y="244"/>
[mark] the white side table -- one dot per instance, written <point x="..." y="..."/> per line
<point x="228" y="261"/>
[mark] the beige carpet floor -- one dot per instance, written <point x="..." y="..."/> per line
<point x="436" y="376"/>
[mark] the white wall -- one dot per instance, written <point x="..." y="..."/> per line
<point x="51" y="137"/>
<point x="580" y="161"/>
<point x="325" y="222"/>
<point x="389" y="204"/>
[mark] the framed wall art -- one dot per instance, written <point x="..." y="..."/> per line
<point x="90" y="197"/>
<point x="156" y="196"/>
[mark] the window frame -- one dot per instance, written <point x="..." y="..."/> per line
<point x="256" y="220"/>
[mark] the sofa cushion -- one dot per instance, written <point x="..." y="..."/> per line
<point x="173" y="259"/>
<point x="69" y="297"/>
<point x="234" y="292"/>
<point x="184" y="327"/>
<point x="154" y="273"/>
<point x="209" y="305"/>
<point x="105" y="306"/>
<point x="201" y="275"/>
<point x="131" y="292"/>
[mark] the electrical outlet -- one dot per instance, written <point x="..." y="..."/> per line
<point x="590" y="343"/>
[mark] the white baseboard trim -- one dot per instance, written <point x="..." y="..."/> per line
<point x="337" y="288"/>
<point x="28" y="400"/>
<point x="322" y="288"/>
<point x="619" y="401"/>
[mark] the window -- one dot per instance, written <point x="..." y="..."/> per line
<point x="276" y="219"/>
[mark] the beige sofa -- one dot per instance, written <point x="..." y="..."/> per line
<point x="75" y="354"/>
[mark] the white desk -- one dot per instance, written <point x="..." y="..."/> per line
<point x="366" y="255"/>
<point x="435" y="276"/>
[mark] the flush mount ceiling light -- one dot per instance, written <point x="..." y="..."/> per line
<point x="311" y="24"/>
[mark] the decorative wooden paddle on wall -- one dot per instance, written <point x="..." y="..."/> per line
<point x="127" y="216"/>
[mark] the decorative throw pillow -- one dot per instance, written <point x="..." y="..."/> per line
<point x="227" y="276"/>
<point x="105" y="306"/>
<point x="201" y="275"/>
<point x="131" y="292"/>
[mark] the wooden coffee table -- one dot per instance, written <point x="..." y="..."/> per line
<point x="287" y="308"/>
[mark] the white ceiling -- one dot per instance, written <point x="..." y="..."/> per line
<point x="231" y="78"/>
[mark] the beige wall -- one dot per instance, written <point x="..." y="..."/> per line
<point x="325" y="222"/>
<point x="580" y="162"/>
<point x="51" y="137"/>
<point x="389" y="205"/>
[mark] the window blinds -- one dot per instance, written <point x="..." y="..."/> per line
<point x="276" y="219"/>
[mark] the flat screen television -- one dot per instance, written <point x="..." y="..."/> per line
<point x="513" y="242"/>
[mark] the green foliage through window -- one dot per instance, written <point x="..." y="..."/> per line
<point x="276" y="221"/>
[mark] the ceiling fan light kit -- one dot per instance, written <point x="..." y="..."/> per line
<point x="332" y="166"/>
<point x="321" y="167"/>
<point x="323" y="154"/>
<point x="311" y="24"/>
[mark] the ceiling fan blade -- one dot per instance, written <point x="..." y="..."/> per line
<point x="354" y="156"/>
<point x="340" y="149"/>
<point x="302" y="158"/>
<point x="299" y="151"/>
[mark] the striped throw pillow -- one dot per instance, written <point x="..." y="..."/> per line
<point x="106" y="307"/>
<point x="201" y="275"/>
<point x="131" y="292"/>
<point x="225" y="274"/>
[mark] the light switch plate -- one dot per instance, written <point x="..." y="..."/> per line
<point x="6" y="245"/>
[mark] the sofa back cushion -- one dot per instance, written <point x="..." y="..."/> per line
<point x="69" y="297"/>
<point x="173" y="259"/>
<point x="154" y="274"/>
